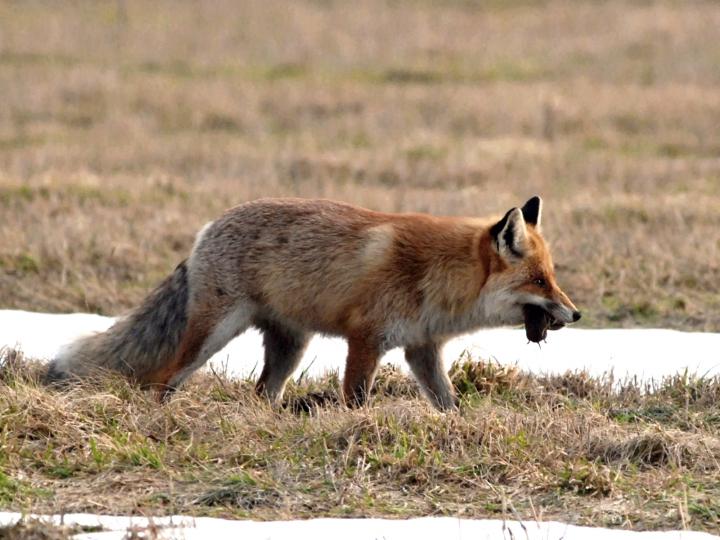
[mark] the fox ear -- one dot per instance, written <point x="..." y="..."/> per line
<point x="510" y="235"/>
<point x="532" y="211"/>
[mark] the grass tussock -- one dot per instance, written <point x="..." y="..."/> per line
<point x="520" y="445"/>
<point x="32" y="529"/>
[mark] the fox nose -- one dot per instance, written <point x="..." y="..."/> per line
<point x="576" y="316"/>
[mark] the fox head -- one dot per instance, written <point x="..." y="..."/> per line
<point x="524" y="275"/>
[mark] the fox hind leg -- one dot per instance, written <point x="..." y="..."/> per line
<point x="203" y="340"/>
<point x="284" y="347"/>
<point x="426" y="365"/>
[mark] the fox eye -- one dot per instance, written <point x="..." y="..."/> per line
<point x="540" y="282"/>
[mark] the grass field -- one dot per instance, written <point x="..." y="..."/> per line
<point x="550" y="448"/>
<point x="125" y="126"/>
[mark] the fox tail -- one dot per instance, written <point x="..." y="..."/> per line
<point x="141" y="346"/>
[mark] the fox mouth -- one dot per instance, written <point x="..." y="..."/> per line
<point x="556" y="325"/>
<point x="538" y="321"/>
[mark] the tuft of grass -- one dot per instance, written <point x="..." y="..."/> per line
<point x="239" y="491"/>
<point x="37" y="529"/>
<point x="588" y="478"/>
<point x="481" y="378"/>
<point x="34" y="530"/>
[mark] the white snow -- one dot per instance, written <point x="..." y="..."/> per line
<point x="645" y="354"/>
<point x="40" y="335"/>
<point x="445" y="528"/>
<point x="642" y="353"/>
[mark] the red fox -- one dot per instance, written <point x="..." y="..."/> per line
<point x="293" y="267"/>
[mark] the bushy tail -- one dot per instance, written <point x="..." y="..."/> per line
<point x="139" y="344"/>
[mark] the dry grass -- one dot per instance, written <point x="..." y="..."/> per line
<point x="34" y="529"/>
<point x="130" y="124"/>
<point x="568" y="447"/>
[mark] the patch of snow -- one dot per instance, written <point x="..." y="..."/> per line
<point x="643" y="353"/>
<point x="447" y="528"/>
<point x="40" y="335"/>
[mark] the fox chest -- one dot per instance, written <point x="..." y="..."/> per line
<point x="436" y="324"/>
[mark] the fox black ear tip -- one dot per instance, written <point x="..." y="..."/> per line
<point x="532" y="210"/>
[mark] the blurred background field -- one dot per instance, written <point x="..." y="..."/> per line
<point x="125" y="126"/>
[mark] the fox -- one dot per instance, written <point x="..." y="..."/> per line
<point x="295" y="267"/>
